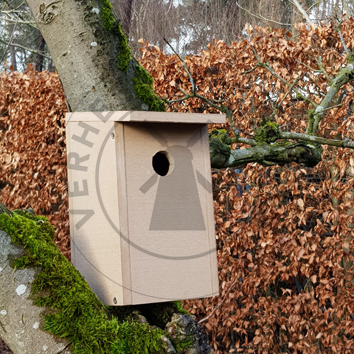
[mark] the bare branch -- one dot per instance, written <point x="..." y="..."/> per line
<point x="184" y="65"/>
<point x="219" y="107"/>
<point x="11" y="20"/>
<point x="26" y="48"/>
<point x="342" y="40"/>
<point x="219" y="304"/>
<point x="303" y="12"/>
<point x="346" y="8"/>
<point x="342" y="78"/>
<point x="271" y="70"/>
<point x="317" y="139"/>
<point x="313" y="5"/>
<point x="287" y="93"/>
<point x="262" y="17"/>
<point x="320" y="70"/>
<point x="9" y="43"/>
<point x="249" y="71"/>
<point x="323" y="70"/>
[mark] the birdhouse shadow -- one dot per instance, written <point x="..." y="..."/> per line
<point x="177" y="204"/>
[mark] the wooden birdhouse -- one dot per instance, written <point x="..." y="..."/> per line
<point x="141" y="210"/>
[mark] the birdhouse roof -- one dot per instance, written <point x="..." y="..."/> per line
<point x="146" y="117"/>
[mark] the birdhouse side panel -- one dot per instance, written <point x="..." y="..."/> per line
<point x="93" y="201"/>
<point x="123" y="231"/>
<point x="204" y="179"/>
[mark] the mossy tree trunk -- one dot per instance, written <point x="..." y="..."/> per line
<point x="92" y="57"/>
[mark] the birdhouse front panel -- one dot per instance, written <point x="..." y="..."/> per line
<point x="151" y="184"/>
<point x="169" y="211"/>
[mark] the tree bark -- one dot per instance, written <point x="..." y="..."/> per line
<point x="40" y="47"/>
<point x="86" y="56"/>
<point x="12" y="49"/>
<point x="21" y="322"/>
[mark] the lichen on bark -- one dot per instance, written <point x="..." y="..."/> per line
<point x="219" y="147"/>
<point x="268" y="133"/>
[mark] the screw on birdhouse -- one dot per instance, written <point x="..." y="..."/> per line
<point x="112" y="136"/>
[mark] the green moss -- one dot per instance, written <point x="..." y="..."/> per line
<point x="350" y="58"/>
<point x="299" y="96"/>
<point x="178" y="306"/>
<point x="266" y="134"/>
<point x="311" y="117"/>
<point x="182" y="346"/>
<point x="73" y="310"/>
<point x="124" y="53"/>
<point x="221" y="135"/>
<point x="282" y="143"/>
<point x="107" y="15"/>
<point x="143" y="84"/>
<point x="112" y="24"/>
<point x="219" y="147"/>
<point x="138" y="338"/>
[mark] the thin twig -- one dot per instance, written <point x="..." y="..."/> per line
<point x="320" y="65"/>
<point x="220" y="107"/>
<point x="11" y="20"/>
<point x="316" y="3"/>
<point x="320" y="70"/>
<point x="342" y="40"/>
<point x="329" y="108"/>
<point x="25" y="48"/>
<point x="262" y="17"/>
<point x="308" y="67"/>
<point x="287" y="93"/>
<point x="220" y="303"/>
<point x="184" y="65"/>
<point x="271" y="70"/>
<point x="249" y="71"/>
<point x="9" y="43"/>
<point x="302" y="11"/>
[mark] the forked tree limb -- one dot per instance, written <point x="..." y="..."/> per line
<point x="307" y="150"/>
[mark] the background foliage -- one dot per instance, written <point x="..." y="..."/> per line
<point x="284" y="234"/>
<point x="32" y="147"/>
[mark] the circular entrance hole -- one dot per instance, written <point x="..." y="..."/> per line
<point x="161" y="163"/>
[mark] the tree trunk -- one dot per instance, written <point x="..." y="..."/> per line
<point x="12" y="49"/>
<point x="40" y="47"/>
<point x="21" y="323"/>
<point x="92" y="57"/>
